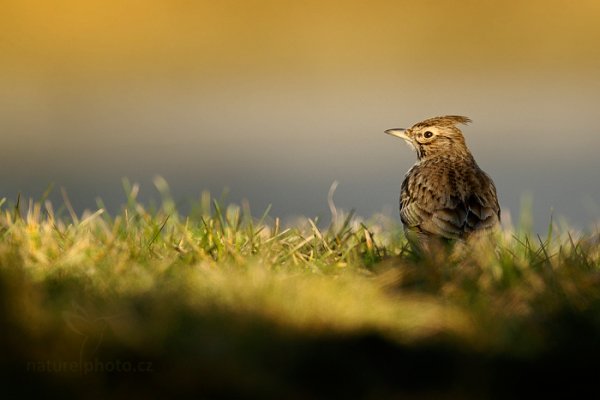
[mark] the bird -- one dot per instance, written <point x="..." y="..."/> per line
<point x="445" y="196"/>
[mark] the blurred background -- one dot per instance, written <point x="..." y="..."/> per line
<point x="277" y="99"/>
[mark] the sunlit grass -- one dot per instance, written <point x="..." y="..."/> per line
<point x="151" y="283"/>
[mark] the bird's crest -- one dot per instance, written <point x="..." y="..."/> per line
<point x="446" y="120"/>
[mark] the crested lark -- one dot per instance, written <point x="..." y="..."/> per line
<point x="445" y="194"/>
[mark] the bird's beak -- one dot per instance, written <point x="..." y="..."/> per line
<point x="398" y="132"/>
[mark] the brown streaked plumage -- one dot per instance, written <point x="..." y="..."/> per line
<point x="445" y="194"/>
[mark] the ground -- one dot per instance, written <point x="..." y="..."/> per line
<point x="222" y="304"/>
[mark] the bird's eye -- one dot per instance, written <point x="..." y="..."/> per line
<point x="428" y="134"/>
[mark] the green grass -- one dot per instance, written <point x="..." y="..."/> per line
<point x="225" y="304"/>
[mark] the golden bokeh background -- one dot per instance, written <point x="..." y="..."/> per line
<point x="276" y="99"/>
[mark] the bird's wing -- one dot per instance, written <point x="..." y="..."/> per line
<point x="437" y="210"/>
<point x="482" y="205"/>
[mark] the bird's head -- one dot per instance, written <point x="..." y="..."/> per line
<point x="434" y="136"/>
